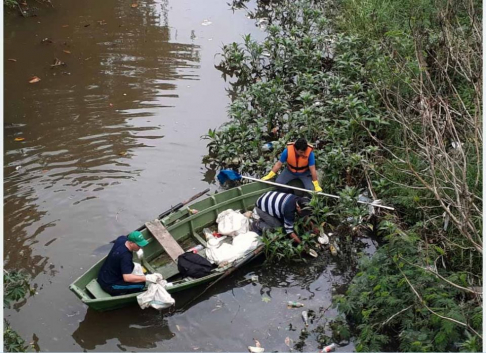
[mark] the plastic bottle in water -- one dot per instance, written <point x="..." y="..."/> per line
<point x="330" y="348"/>
<point x="267" y="147"/>
<point x="292" y="304"/>
<point x="305" y="318"/>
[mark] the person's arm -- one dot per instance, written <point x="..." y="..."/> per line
<point x="313" y="172"/>
<point x="295" y="237"/>
<point x="126" y="264"/>
<point x="277" y="166"/>
<point x="128" y="277"/>
<point x="289" y="219"/>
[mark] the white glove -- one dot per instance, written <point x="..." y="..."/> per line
<point x="154" y="277"/>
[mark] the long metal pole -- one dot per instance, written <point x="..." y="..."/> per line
<point x="313" y="192"/>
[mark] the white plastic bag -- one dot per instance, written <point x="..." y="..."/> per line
<point x="156" y="296"/>
<point x="137" y="269"/>
<point x="232" y="223"/>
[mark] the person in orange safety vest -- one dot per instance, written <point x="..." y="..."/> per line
<point x="301" y="164"/>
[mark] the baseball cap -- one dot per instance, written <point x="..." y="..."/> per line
<point x="137" y="238"/>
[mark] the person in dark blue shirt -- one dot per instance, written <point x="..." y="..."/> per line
<point x="278" y="208"/>
<point x="115" y="276"/>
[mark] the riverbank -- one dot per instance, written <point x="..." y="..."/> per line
<point x="391" y="98"/>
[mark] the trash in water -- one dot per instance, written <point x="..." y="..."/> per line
<point x="257" y="348"/>
<point x="17" y="167"/>
<point x="206" y="23"/>
<point x="291" y="304"/>
<point x="254" y="279"/>
<point x="330" y="348"/>
<point x="323" y="239"/>
<point x="333" y="250"/>
<point x="305" y="318"/>
<point x="312" y="253"/>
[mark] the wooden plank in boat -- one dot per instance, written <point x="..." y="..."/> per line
<point x="165" y="239"/>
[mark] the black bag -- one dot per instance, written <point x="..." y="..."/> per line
<point x="193" y="265"/>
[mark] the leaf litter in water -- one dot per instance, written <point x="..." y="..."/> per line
<point x="19" y="138"/>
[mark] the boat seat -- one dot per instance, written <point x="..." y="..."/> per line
<point x="170" y="245"/>
<point x="95" y="290"/>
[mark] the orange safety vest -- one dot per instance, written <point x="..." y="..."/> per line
<point x="298" y="164"/>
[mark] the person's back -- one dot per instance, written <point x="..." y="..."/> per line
<point x="118" y="261"/>
<point x="279" y="205"/>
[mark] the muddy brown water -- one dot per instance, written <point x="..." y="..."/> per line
<point x="112" y="139"/>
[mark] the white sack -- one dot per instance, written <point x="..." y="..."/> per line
<point x="225" y="252"/>
<point x="222" y="253"/>
<point x="244" y="243"/>
<point x="155" y="296"/>
<point x="232" y="223"/>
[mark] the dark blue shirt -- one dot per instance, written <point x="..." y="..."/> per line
<point x="118" y="262"/>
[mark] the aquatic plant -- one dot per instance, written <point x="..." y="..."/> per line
<point x="16" y="286"/>
<point x="391" y="98"/>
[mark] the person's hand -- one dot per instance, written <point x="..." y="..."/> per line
<point x="316" y="186"/>
<point x="153" y="277"/>
<point x="269" y="175"/>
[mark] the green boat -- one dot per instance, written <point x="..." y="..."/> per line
<point x="185" y="226"/>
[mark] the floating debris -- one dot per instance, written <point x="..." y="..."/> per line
<point x="34" y="79"/>
<point x="206" y="23"/>
<point x="330" y="348"/>
<point x="305" y="317"/>
<point x="333" y="250"/>
<point x="323" y="239"/>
